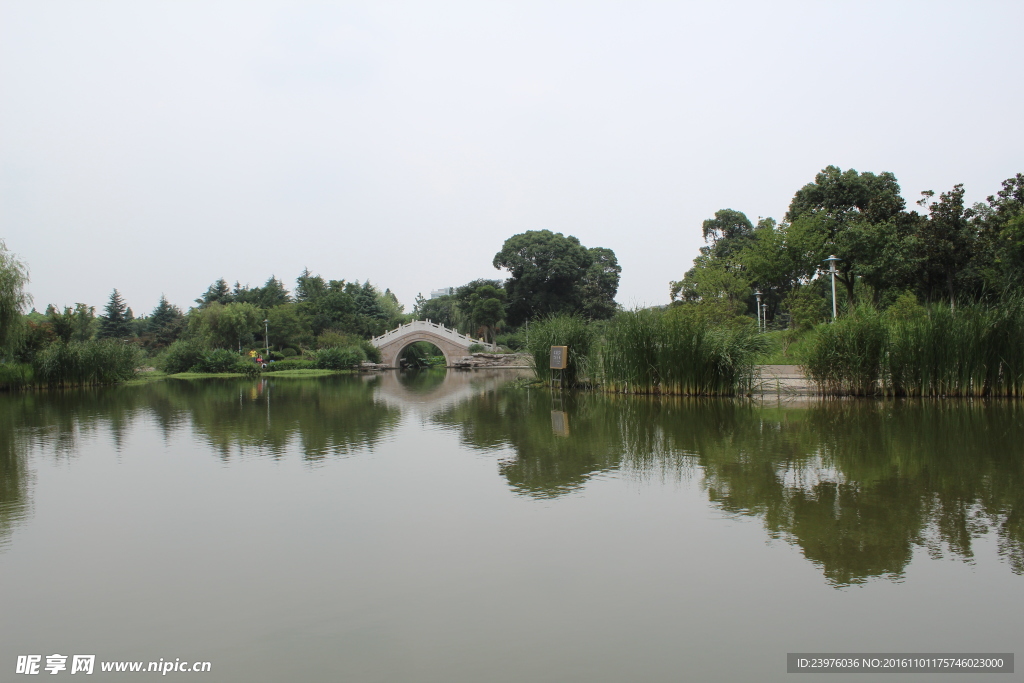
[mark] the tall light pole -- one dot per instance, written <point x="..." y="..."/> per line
<point x="764" y="316"/>
<point x="832" y="269"/>
<point x="758" y="295"/>
<point x="266" y="336"/>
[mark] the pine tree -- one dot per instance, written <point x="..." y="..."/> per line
<point x="115" y="323"/>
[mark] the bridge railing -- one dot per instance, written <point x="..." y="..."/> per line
<point x="425" y="326"/>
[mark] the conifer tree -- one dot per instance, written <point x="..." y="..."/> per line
<point x="115" y="323"/>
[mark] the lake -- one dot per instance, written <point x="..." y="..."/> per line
<point x="448" y="526"/>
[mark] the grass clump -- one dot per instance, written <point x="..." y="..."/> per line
<point x="651" y="351"/>
<point x="85" y="363"/>
<point x="562" y="330"/>
<point x="974" y="351"/>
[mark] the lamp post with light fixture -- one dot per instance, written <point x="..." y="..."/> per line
<point x="831" y="260"/>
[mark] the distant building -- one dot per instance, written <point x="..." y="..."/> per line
<point x="444" y="291"/>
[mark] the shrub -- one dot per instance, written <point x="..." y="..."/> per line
<point x="477" y="348"/>
<point x="247" y="368"/>
<point x="339" y="358"/>
<point x="181" y="356"/>
<point x="288" y="352"/>
<point x="218" y="360"/>
<point x="513" y="341"/>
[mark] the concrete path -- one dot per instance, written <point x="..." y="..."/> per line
<point x="785" y="380"/>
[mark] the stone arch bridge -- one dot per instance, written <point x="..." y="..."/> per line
<point x="452" y="344"/>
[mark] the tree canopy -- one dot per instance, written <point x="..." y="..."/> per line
<point x="550" y="273"/>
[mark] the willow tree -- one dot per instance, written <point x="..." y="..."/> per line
<point x="13" y="299"/>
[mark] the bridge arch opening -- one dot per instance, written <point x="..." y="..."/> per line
<point x="422" y="354"/>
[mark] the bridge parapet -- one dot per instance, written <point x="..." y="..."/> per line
<point x="425" y="326"/>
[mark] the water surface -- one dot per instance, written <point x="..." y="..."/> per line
<point x="446" y="527"/>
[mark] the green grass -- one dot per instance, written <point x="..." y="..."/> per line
<point x="974" y="351"/>
<point x="787" y="347"/>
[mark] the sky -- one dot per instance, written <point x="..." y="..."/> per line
<point x="156" y="146"/>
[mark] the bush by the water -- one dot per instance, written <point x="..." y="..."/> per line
<point x="339" y="358"/>
<point x="181" y="356"/>
<point x="975" y="350"/>
<point x="83" y="363"/>
<point x="218" y="360"/>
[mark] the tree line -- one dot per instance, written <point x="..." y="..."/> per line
<point x="942" y="251"/>
<point x="548" y="273"/>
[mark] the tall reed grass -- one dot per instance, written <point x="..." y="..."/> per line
<point x="650" y="351"/>
<point x="562" y="330"/>
<point x="974" y="351"/>
<point x="84" y="363"/>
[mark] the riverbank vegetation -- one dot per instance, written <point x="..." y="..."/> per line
<point x="927" y="303"/>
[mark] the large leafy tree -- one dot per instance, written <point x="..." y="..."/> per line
<point x="946" y="240"/>
<point x="848" y="214"/>
<point x="548" y="273"/>
<point x="116" y="322"/>
<point x="13" y="299"/>
<point x="165" y="323"/>
<point x="483" y="304"/>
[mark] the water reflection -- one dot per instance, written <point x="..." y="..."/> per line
<point x="858" y="486"/>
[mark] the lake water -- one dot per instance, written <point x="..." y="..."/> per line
<point x="447" y="527"/>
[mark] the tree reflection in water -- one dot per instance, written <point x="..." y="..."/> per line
<point x="857" y="485"/>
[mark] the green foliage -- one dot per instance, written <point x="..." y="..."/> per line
<point x="846" y="356"/>
<point x="13" y="300"/>
<point x="225" y="326"/>
<point x="562" y="330"/>
<point x="165" y="324"/>
<point x="477" y="348"/>
<point x="116" y="323"/>
<point x="219" y="360"/>
<point x="975" y="350"/>
<point x="679" y="352"/>
<point x="83" y="363"/>
<point x="288" y="352"/>
<point x="514" y="341"/>
<point x="339" y="358"/>
<point x="551" y="274"/>
<point x="15" y="375"/>
<point x="181" y="356"/>
<point x="483" y="304"/>
<point x="807" y="307"/>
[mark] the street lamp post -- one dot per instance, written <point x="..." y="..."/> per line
<point x="266" y="336"/>
<point x="758" y="295"/>
<point x="764" y="316"/>
<point x="832" y="269"/>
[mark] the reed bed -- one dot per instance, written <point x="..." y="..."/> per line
<point x="974" y="351"/>
<point x="562" y="330"/>
<point x="652" y="352"/>
<point x="86" y="363"/>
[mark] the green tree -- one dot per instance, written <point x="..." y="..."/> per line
<point x="116" y="323"/>
<point x="600" y="284"/>
<point x="166" y="323"/>
<point x="218" y="292"/>
<point x="483" y="303"/>
<point x="13" y="300"/>
<point x="547" y="274"/>
<point x="947" y="239"/>
<point x="442" y="309"/>
<point x="728" y="233"/>
<point x="845" y="213"/>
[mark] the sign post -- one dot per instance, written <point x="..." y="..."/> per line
<point x="558" y="360"/>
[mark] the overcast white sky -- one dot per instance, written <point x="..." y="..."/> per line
<point x="156" y="146"/>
